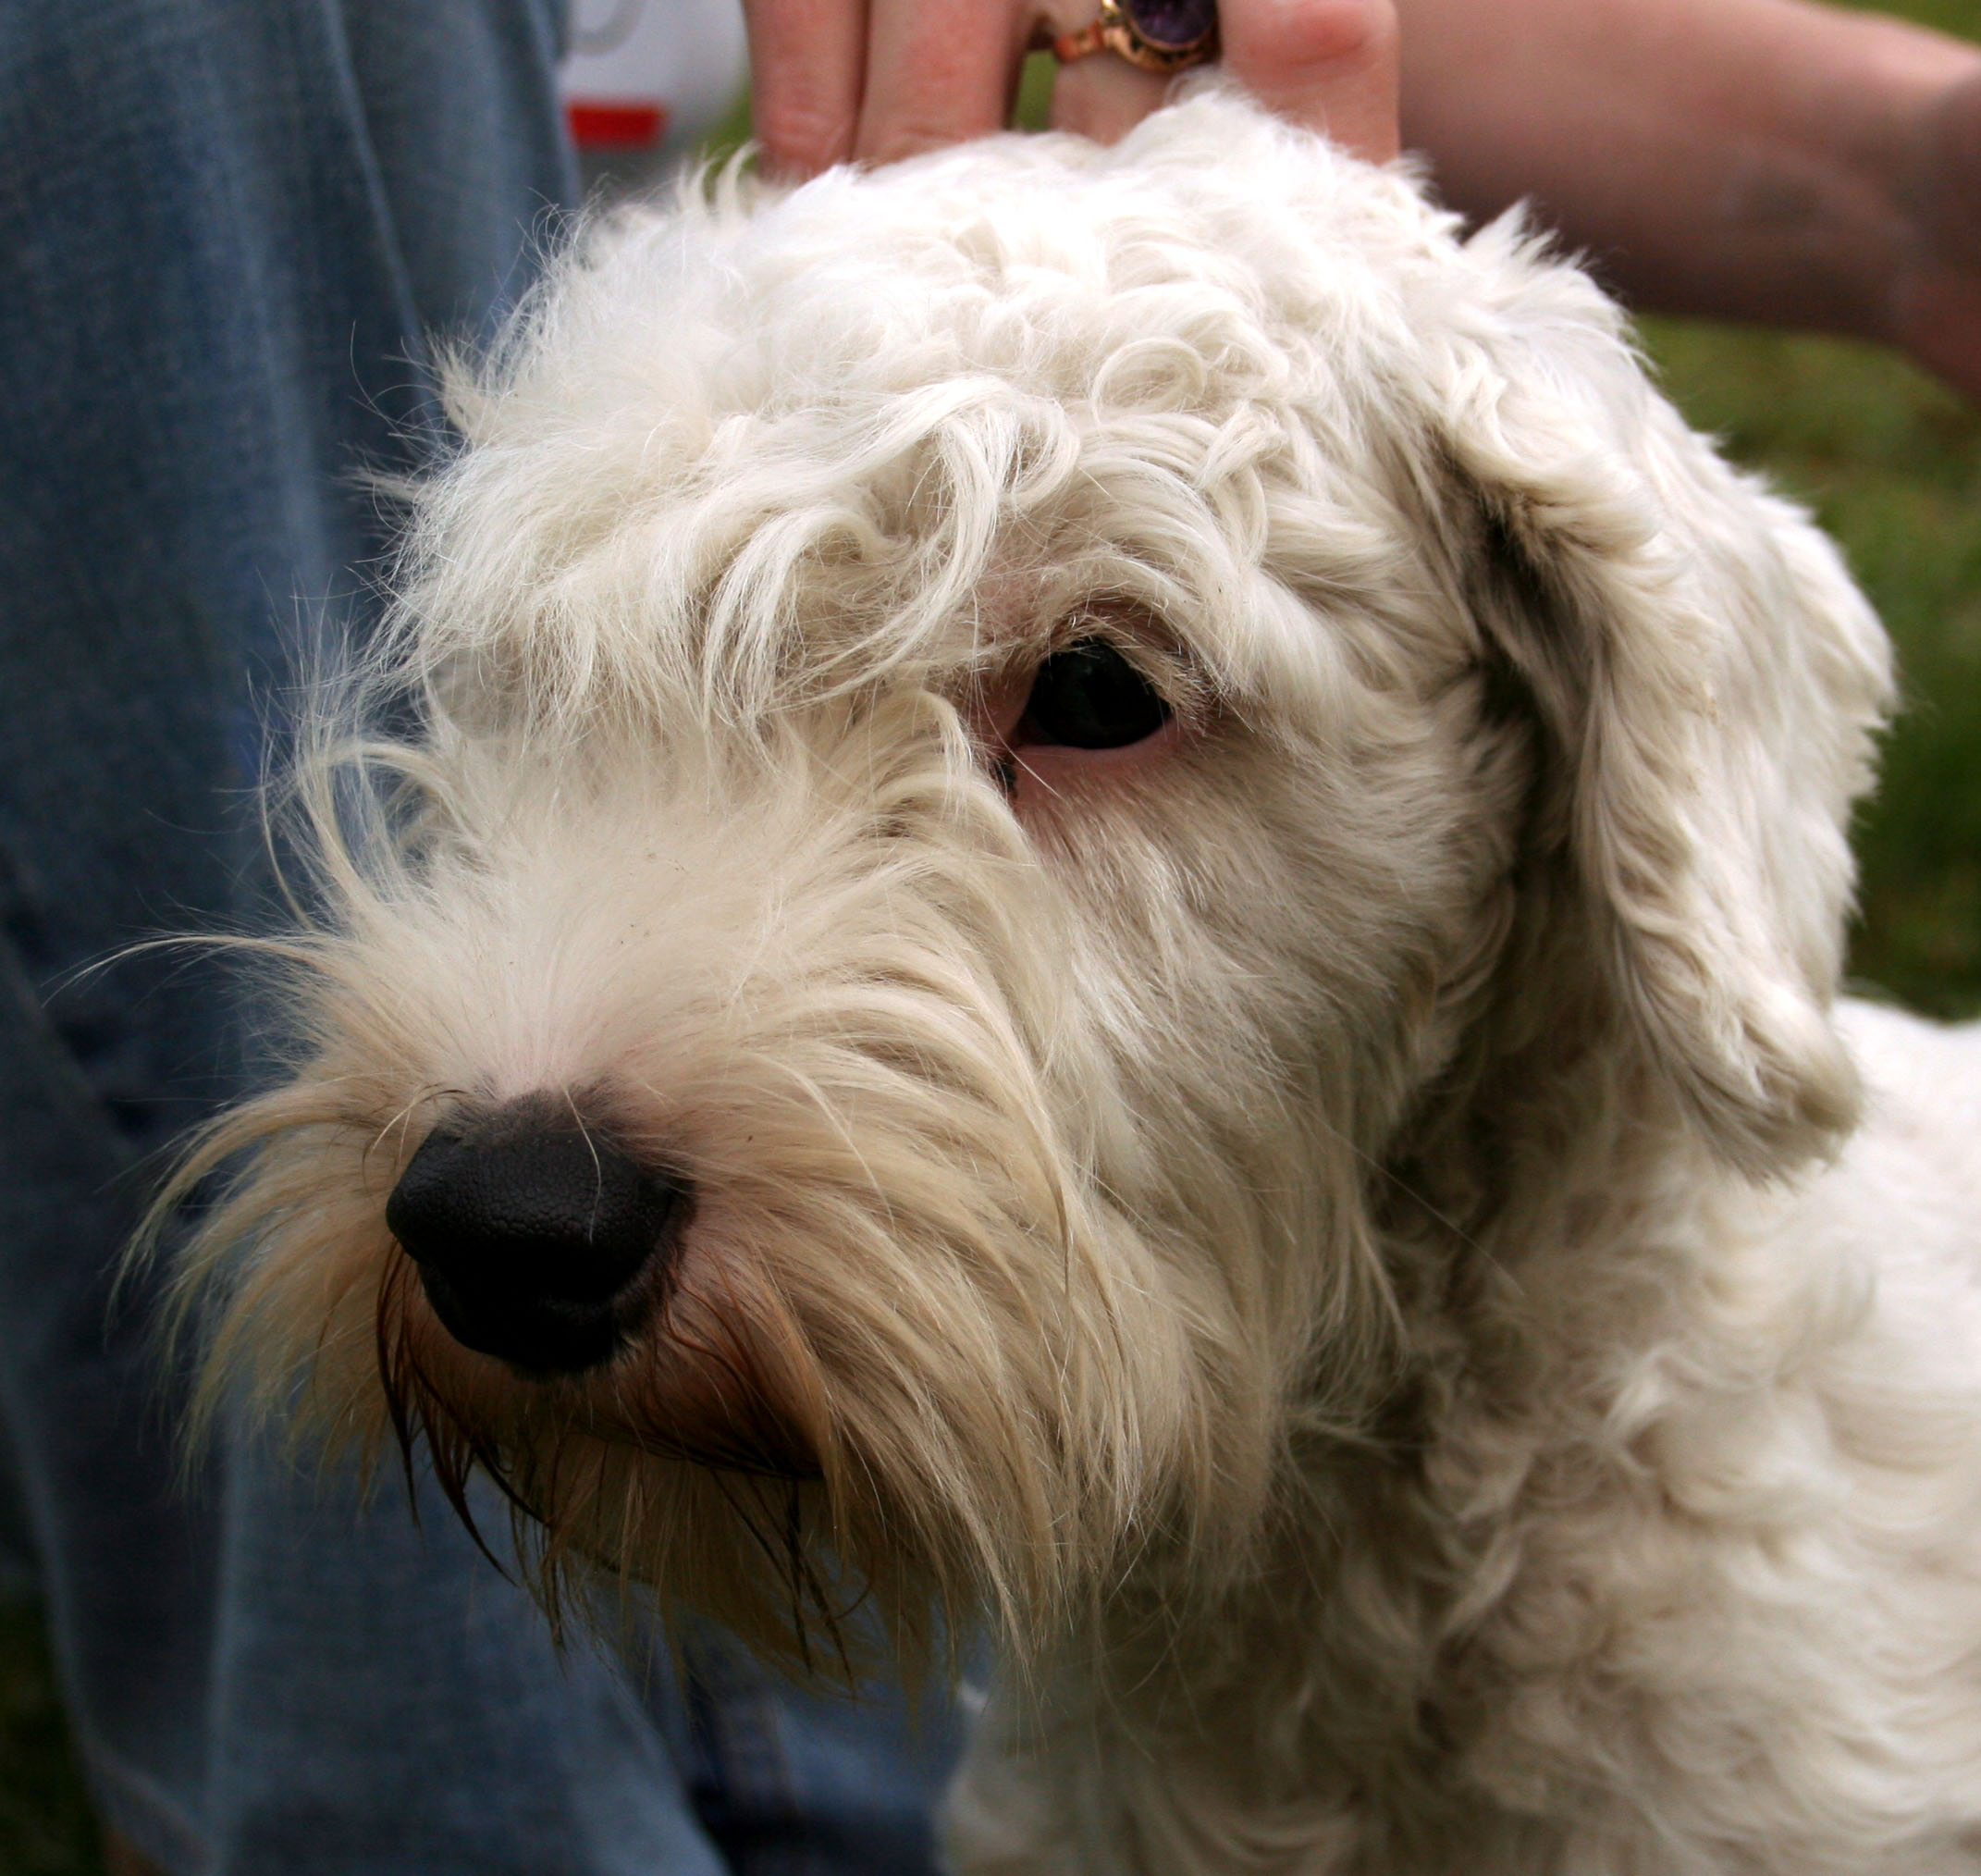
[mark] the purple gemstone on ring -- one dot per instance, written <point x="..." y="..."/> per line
<point x="1173" y="24"/>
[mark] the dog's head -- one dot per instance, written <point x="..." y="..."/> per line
<point x="1006" y="747"/>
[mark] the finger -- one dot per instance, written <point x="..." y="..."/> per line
<point x="1329" y="65"/>
<point x="1105" y="97"/>
<point x="938" y="72"/>
<point x="808" y="58"/>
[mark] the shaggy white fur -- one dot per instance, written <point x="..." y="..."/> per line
<point x="1193" y="856"/>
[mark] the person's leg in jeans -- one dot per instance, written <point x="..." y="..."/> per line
<point x="227" y="229"/>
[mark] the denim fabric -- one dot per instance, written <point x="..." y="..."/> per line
<point x="227" y="228"/>
<point x="791" y="1786"/>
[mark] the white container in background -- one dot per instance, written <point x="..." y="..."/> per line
<point x="645" y="80"/>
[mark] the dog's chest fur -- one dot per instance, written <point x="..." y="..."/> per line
<point x="1671" y="1569"/>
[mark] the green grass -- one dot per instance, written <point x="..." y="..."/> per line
<point x="1961" y="17"/>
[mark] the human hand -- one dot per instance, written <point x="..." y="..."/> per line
<point x="871" y="81"/>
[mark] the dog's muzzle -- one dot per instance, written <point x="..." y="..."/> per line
<point x="539" y="1240"/>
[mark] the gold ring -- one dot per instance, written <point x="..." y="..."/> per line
<point x="1157" y="35"/>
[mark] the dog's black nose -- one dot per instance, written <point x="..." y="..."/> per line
<point x="538" y="1238"/>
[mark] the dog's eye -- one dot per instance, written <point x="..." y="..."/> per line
<point x="1089" y="697"/>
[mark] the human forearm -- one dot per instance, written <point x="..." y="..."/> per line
<point x="1755" y="159"/>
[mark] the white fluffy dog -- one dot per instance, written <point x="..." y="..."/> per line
<point x="1108" y="890"/>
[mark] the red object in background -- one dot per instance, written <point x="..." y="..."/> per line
<point x="615" y="124"/>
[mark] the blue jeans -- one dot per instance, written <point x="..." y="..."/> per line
<point x="227" y="228"/>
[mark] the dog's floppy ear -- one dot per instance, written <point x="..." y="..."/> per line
<point x="1708" y="683"/>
